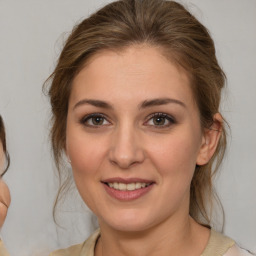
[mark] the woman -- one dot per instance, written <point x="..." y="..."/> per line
<point x="5" y="198"/>
<point x="135" y="100"/>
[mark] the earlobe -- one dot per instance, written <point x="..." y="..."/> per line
<point x="210" y="140"/>
<point x="67" y="154"/>
<point x="68" y="158"/>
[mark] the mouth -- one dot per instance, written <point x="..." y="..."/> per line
<point x="127" y="189"/>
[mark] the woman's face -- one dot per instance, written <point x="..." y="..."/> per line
<point x="133" y="137"/>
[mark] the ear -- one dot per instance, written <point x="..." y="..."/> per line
<point x="210" y="140"/>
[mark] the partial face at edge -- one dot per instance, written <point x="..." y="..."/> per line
<point x="2" y="158"/>
<point x="5" y="198"/>
<point x="132" y="119"/>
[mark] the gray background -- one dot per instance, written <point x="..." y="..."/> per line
<point x="32" y="35"/>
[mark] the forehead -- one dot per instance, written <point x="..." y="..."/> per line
<point x="135" y="58"/>
<point x="140" y="70"/>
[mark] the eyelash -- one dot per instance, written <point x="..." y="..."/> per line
<point x="85" y="120"/>
<point x="167" y="117"/>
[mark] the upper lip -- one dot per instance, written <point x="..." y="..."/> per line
<point x="126" y="180"/>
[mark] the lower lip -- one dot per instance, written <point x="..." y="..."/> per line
<point x="127" y="195"/>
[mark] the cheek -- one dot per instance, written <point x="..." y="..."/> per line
<point x="174" y="159"/>
<point x="87" y="152"/>
<point x="85" y="155"/>
<point x="175" y="155"/>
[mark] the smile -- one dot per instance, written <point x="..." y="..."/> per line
<point x="127" y="187"/>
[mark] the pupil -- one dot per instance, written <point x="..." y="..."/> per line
<point x="97" y="120"/>
<point x="159" y="121"/>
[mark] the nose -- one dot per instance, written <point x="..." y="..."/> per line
<point x="126" y="148"/>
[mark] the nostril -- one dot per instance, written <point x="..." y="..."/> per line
<point x="124" y="164"/>
<point x="125" y="151"/>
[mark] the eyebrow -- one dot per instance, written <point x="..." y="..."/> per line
<point x="144" y="104"/>
<point x="96" y="103"/>
<point x="160" y="101"/>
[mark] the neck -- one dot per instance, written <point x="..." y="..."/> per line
<point x="180" y="237"/>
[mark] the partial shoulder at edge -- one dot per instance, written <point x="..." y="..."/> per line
<point x="3" y="251"/>
<point x="86" y="248"/>
<point x="74" y="250"/>
<point x="237" y="251"/>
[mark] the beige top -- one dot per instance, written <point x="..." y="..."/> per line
<point x="218" y="245"/>
<point x="3" y="251"/>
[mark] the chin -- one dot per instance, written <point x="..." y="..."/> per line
<point x="129" y="221"/>
<point x="130" y="227"/>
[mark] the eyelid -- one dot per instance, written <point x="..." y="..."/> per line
<point x="170" y="118"/>
<point x="85" y="118"/>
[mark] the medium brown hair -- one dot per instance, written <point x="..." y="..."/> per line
<point x="3" y="141"/>
<point x="164" y="24"/>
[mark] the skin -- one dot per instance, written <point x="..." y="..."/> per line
<point x="5" y="198"/>
<point x="130" y="143"/>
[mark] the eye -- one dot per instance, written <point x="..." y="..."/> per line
<point x="94" y="120"/>
<point x="160" y="120"/>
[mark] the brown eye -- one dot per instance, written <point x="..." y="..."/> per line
<point x="97" y="120"/>
<point x="94" y="120"/>
<point x="160" y="120"/>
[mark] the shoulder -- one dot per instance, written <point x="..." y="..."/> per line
<point x="222" y="245"/>
<point x="218" y="244"/>
<point x="85" y="249"/>
<point x="72" y="250"/>
<point x="237" y="251"/>
<point x="3" y="251"/>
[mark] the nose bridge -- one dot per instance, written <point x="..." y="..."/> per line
<point x="126" y="148"/>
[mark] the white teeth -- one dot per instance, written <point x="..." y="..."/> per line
<point x="115" y="185"/>
<point x="122" y="186"/>
<point x="129" y="187"/>
<point x="138" y="185"/>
